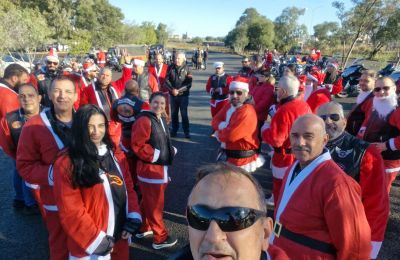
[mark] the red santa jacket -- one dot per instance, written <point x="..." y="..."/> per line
<point x="275" y="253"/>
<point x="6" y="141"/>
<point x="278" y="132"/>
<point x="8" y="100"/>
<point x="263" y="95"/>
<point x="237" y="130"/>
<point x="79" y="86"/>
<point x="337" y="86"/>
<point x="318" y="98"/>
<point x="358" y="114"/>
<point x="159" y="75"/>
<point x="328" y="203"/>
<point x="36" y="152"/>
<point x="146" y="170"/>
<point x="87" y="214"/>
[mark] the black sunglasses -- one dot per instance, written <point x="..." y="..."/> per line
<point x="239" y="93"/>
<point x="333" y="117"/>
<point x="385" y="88"/>
<point x="229" y="219"/>
<point x="51" y="62"/>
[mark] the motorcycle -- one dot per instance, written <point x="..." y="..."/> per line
<point x="351" y="76"/>
<point x="113" y="63"/>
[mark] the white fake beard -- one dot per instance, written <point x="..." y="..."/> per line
<point x="361" y="97"/>
<point x="308" y="89"/>
<point x="385" y="105"/>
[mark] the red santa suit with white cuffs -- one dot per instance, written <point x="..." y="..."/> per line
<point x="363" y="162"/>
<point x="151" y="144"/>
<point x="8" y="98"/>
<point x="37" y="150"/>
<point x="93" y="94"/>
<point x="360" y="112"/>
<point x="277" y="135"/>
<point x="237" y="130"/>
<point x="319" y="96"/>
<point x="384" y="126"/>
<point x="160" y="73"/>
<point x="219" y="98"/>
<point x="88" y="214"/>
<point x="323" y="205"/>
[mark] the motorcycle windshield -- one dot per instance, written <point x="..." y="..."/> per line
<point x="395" y="76"/>
<point x="350" y="70"/>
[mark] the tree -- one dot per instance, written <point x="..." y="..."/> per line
<point x="362" y="18"/>
<point x="162" y="33"/>
<point x="81" y="42"/>
<point x="261" y="33"/>
<point x="150" y="36"/>
<point x="287" y="29"/>
<point x="197" y="40"/>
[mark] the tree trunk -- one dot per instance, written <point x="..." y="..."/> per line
<point x="351" y="49"/>
<point x="376" y="49"/>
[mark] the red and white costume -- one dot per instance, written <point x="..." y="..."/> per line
<point x="275" y="253"/>
<point x="277" y="135"/>
<point x="87" y="214"/>
<point x="324" y="204"/>
<point x="8" y="99"/>
<point x="92" y="96"/>
<point x="237" y="129"/>
<point x="101" y="59"/>
<point x="319" y="96"/>
<point x="152" y="179"/>
<point x="263" y="95"/>
<point x="218" y="98"/>
<point x="159" y="74"/>
<point x="356" y="119"/>
<point x="37" y="150"/>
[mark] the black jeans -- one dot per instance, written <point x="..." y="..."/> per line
<point x="179" y="103"/>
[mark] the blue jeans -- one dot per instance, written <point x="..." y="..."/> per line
<point x="22" y="192"/>
<point x="179" y="103"/>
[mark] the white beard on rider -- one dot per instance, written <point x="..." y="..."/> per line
<point x="361" y="97"/>
<point x="385" y="105"/>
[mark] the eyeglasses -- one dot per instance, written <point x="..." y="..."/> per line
<point x="52" y="62"/>
<point x="385" y="88"/>
<point x="239" y="93"/>
<point x="229" y="219"/>
<point x="333" y="117"/>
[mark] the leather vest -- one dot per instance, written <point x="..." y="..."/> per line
<point x="379" y="130"/>
<point x="245" y="72"/>
<point x="348" y="152"/>
<point x="15" y="122"/>
<point x="356" y="117"/>
<point x="159" y="139"/>
<point x="219" y="82"/>
<point x="144" y="88"/>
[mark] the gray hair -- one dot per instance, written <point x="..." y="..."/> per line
<point x="335" y="104"/>
<point x="227" y="170"/>
<point x="181" y="53"/>
<point x="102" y="70"/>
<point x="290" y="84"/>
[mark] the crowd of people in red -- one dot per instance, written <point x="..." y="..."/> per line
<point x="85" y="146"/>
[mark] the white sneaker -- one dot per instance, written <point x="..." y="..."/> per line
<point x="270" y="201"/>
<point x="169" y="242"/>
<point x="144" y="234"/>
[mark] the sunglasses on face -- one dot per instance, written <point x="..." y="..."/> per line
<point x="52" y="62"/>
<point x="229" y="219"/>
<point x="379" y="89"/>
<point x="333" y="117"/>
<point x="239" y="93"/>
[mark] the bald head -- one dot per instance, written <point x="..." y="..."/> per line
<point x="132" y="87"/>
<point x="308" y="138"/>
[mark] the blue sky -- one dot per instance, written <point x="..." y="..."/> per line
<point x="218" y="17"/>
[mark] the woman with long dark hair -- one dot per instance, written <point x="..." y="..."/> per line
<point x="152" y="145"/>
<point x="333" y="78"/>
<point x="97" y="205"/>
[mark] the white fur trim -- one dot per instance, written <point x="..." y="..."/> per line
<point x="50" y="178"/>
<point x="90" y="257"/>
<point x="265" y="126"/>
<point x="128" y="66"/>
<point x="392" y="145"/>
<point x="376" y="247"/>
<point x="156" y="155"/>
<point x="138" y="62"/>
<point x="110" y="202"/>
<point x="278" y="172"/>
<point x="222" y="125"/>
<point x="392" y="170"/>
<point x="254" y="165"/>
<point x="309" y="76"/>
<point x="239" y="85"/>
<point x="46" y="122"/>
<point x="50" y="207"/>
<point x="96" y="242"/>
<point x="175" y="150"/>
<point x="32" y="186"/>
<point x="156" y="181"/>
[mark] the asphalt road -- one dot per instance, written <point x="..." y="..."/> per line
<point x="25" y="237"/>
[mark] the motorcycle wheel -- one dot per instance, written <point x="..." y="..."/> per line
<point x="342" y="95"/>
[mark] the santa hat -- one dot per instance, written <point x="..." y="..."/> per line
<point x="52" y="56"/>
<point x="333" y="64"/>
<point x="239" y="83"/>
<point x="138" y="62"/>
<point x="317" y="51"/>
<point x="313" y="51"/>
<point x="89" y="65"/>
<point x="218" y="64"/>
<point x="316" y="77"/>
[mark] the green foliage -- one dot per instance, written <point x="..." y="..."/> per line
<point x="162" y="33"/>
<point x="287" y="30"/>
<point x="81" y="42"/>
<point x="197" y="40"/>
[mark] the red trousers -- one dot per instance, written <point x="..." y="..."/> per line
<point x="152" y="207"/>
<point x="217" y="106"/>
<point x="390" y="177"/>
<point x="120" y="250"/>
<point x="57" y="236"/>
